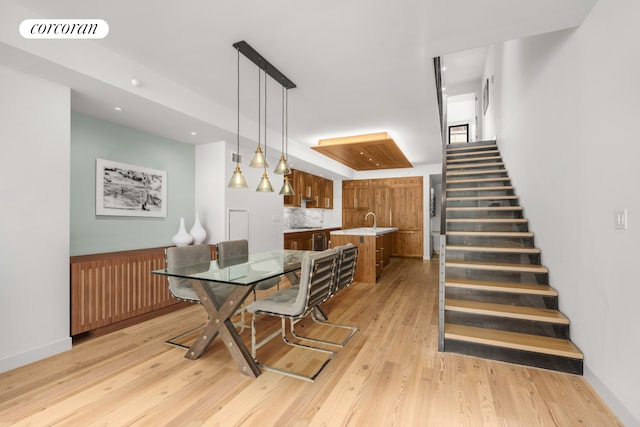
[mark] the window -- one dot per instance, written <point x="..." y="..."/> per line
<point x="459" y="133"/>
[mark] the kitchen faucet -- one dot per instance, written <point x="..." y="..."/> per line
<point x="375" y="222"/>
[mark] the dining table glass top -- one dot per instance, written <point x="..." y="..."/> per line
<point x="243" y="271"/>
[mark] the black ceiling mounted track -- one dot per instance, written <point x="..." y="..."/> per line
<point x="262" y="63"/>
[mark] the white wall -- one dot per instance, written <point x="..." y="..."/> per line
<point x="34" y="227"/>
<point x="566" y="105"/>
<point x="211" y="179"/>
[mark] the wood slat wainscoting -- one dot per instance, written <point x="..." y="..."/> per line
<point x="112" y="287"/>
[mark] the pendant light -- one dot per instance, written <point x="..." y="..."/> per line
<point x="282" y="167"/>
<point x="265" y="185"/>
<point x="259" y="160"/>
<point x="237" y="180"/>
<point x="287" y="189"/>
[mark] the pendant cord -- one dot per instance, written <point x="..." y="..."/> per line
<point x="265" y="118"/>
<point x="238" y="122"/>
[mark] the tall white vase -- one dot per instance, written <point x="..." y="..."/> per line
<point x="198" y="232"/>
<point x="182" y="238"/>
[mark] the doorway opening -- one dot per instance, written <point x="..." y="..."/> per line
<point x="461" y="118"/>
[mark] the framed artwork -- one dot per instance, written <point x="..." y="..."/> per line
<point x="129" y="190"/>
<point x="485" y="97"/>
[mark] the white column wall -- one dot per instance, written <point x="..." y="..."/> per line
<point x="211" y="181"/>
<point x="34" y="225"/>
<point x="566" y="107"/>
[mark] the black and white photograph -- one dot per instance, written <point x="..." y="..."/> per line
<point x="128" y="190"/>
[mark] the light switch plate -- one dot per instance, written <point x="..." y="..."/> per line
<point x="621" y="219"/>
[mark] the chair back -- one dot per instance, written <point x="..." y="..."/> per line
<point x="232" y="252"/>
<point x="182" y="256"/>
<point x="346" y="269"/>
<point x="316" y="280"/>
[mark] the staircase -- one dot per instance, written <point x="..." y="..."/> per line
<point x="497" y="300"/>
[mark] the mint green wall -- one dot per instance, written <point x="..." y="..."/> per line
<point x="93" y="138"/>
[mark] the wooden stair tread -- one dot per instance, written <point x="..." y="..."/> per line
<point x="485" y="208"/>
<point x="477" y="180"/>
<point x="474" y="159"/>
<point x="460" y="173"/>
<point x="503" y="249"/>
<point x="488" y="188"/>
<point x="503" y="310"/>
<point x="490" y="220"/>
<point x="516" y="288"/>
<point x="500" y="266"/>
<point x="471" y="198"/>
<point x="514" y="340"/>
<point x="475" y="165"/>
<point x="491" y="233"/>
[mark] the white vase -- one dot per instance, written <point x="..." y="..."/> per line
<point x="198" y="232"/>
<point x="182" y="238"/>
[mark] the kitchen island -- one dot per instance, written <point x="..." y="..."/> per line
<point x="374" y="249"/>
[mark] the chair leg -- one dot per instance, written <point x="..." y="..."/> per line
<point x="315" y="318"/>
<point x="282" y="331"/>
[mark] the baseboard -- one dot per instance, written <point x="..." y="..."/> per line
<point x="618" y="408"/>
<point x="21" y="359"/>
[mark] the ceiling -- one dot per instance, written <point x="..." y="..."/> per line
<point x="359" y="67"/>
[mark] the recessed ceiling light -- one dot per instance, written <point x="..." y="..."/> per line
<point x="444" y="88"/>
<point x="117" y="108"/>
<point x="194" y="133"/>
<point x="444" y="68"/>
<point x="135" y="82"/>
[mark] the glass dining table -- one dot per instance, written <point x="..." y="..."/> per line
<point x="243" y="274"/>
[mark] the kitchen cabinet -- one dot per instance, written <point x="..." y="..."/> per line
<point x="303" y="240"/>
<point x="406" y="201"/>
<point x="397" y="202"/>
<point x="373" y="250"/>
<point x="381" y="203"/>
<point x="316" y="191"/>
<point x="355" y="203"/>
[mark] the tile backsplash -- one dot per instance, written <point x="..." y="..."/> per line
<point x="302" y="217"/>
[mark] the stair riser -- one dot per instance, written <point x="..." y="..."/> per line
<point x="493" y="257"/>
<point x="475" y="174"/>
<point x="555" y="363"/>
<point x="481" y="203"/>
<point x="487" y="226"/>
<point x="507" y="298"/>
<point x="497" y="276"/>
<point x="483" y="213"/>
<point x="481" y="193"/>
<point x="460" y="183"/>
<point x="467" y="239"/>
<point x="474" y="167"/>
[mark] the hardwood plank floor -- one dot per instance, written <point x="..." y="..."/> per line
<point x="389" y="374"/>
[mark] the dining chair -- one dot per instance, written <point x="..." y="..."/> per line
<point x="345" y="273"/>
<point x="316" y="284"/>
<point x="196" y="257"/>
<point x="232" y="252"/>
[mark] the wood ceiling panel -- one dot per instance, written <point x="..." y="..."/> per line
<point x="364" y="152"/>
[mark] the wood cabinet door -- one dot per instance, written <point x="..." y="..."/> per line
<point x="326" y="193"/>
<point x="406" y="208"/>
<point x="407" y="243"/>
<point x="380" y="205"/>
<point x="353" y="218"/>
<point x="296" y="179"/>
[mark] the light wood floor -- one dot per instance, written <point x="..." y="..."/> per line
<point x="389" y="374"/>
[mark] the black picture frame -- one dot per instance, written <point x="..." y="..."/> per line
<point x="485" y="97"/>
